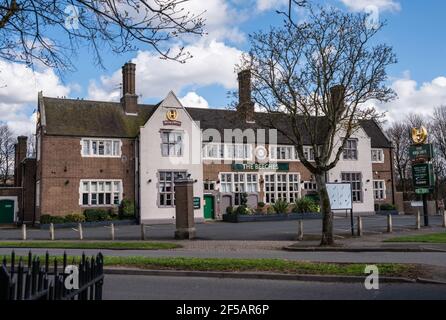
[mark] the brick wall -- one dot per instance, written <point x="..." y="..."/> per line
<point x="62" y="167"/>
<point x="383" y="171"/>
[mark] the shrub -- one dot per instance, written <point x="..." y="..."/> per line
<point x="127" y="209"/>
<point x="270" y="210"/>
<point x="242" y="210"/>
<point x="229" y="210"/>
<point x="93" y="215"/>
<point x="261" y="205"/>
<point x="75" y="217"/>
<point x="280" y="206"/>
<point x="306" y="205"/>
<point x="47" y="219"/>
<point x="387" y="207"/>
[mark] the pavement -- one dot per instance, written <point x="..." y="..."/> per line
<point x="253" y="231"/>
<point x="131" y="287"/>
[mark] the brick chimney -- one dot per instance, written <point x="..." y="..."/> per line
<point x="245" y="105"/>
<point x="129" y="99"/>
<point x="20" y="149"/>
<point x="337" y="97"/>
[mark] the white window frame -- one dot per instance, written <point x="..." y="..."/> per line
<point x="309" y="153"/>
<point x="380" y="189"/>
<point x="207" y="185"/>
<point x="380" y="157"/>
<point x="228" y="151"/>
<point x="276" y="152"/>
<point x="359" y="192"/>
<point x="114" y="191"/>
<point x="231" y="186"/>
<point x="348" y="152"/>
<point x="290" y="195"/>
<point x="175" y="143"/>
<point x="312" y="184"/>
<point x="172" y="187"/>
<point x="116" y="148"/>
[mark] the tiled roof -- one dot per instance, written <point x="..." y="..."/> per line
<point x="108" y="119"/>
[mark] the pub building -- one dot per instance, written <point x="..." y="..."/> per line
<point x="94" y="154"/>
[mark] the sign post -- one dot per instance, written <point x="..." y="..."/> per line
<point x="421" y="154"/>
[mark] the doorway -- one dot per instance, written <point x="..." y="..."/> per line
<point x="6" y="211"/>
<point x="209" y="207"/>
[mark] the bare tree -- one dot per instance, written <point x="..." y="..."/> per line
<point x="50" y="32"/>
<point x="399" y="135"/>
<point x="6" y="154"/>
<point x="319" y="75"/>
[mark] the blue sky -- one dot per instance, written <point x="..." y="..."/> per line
<point x="415" y="30"/>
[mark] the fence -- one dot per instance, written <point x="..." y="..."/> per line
<point x="32" y="280"/>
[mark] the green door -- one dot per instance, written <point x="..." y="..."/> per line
<point x="209" y="207"/>
<point x="6" y="211"/>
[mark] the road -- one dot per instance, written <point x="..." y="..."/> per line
<point x="267" y="231"/>
<point x="120" y="287"/>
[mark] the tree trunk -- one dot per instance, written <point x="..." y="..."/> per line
<point x="327" y="215"/>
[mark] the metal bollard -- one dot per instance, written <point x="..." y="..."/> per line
<point x="418" y="222"/>
<point x="112" y="231"/>
<point x="300" y="230"/>
<point x="389" y="223"/>
<point x="444" y="219"/>
<point x="23" y="232"/>
<point x="81" y="232"/>
<point x="359" y="226"/>
<point x="52" y="231"/>
<point x="143" y="231"/>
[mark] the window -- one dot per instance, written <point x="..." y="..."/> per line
<point x="209" y="185"/>
<point x="284" y="186"/>
<point x="282" y="153"/>
<point x="309" y="153"/>
<point x="310" y="186"/>
<point x="377" y="156"/>
<point x="166" y="187"/>
<point x="38" y="194"/>
<point x="100" y="193"/>
<point x="351" y="150"/>
<point x="216" y="151"/>
<point x="355" y="179"/>
<point x="101" y="148"/>
<point x="172" y="143"/>
<point x="379" y="189"/>
<point x="239" y="183"/>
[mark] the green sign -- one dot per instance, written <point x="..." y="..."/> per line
<point x="197" y="203"/>
<point x="423" y="151"/>
<point x="423" y="175"/>
<point x="261" y="166"/>
<point x="422" y="191"/>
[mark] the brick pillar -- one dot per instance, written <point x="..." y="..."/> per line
<point x="184" y="206"/>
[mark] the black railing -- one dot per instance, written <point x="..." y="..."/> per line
<point x="32" y="280"/>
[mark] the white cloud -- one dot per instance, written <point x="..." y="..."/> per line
<point x="415" y="98"/>
<point x="381" y="5"/>
<point x="193" y="100"/>
<point x="19" y="86"/>
<point x="212" y="63"/>
<point x="264" y="5"/>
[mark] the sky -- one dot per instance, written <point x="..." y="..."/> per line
<point x="414" y="28"/>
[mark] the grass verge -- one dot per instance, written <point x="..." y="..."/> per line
<point x="251" y="265"/>
<point x="425" y="238"/>
<point x="257" y="265"/>
<point x="90" y="245"/>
